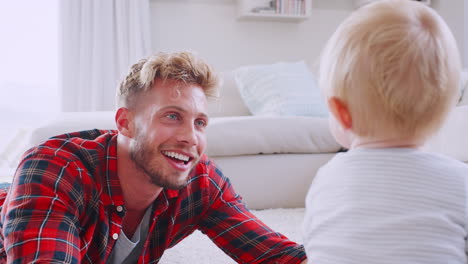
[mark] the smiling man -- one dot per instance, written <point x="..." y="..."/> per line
<point x="125" y="196"/>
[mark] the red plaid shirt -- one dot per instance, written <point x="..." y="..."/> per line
<point x="62" y="208"/>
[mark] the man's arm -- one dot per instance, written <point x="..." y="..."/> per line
<point x="38" y="218"/>
<point x="242" y="235"/>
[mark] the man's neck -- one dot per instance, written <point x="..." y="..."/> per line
<point x="138" y="191"/>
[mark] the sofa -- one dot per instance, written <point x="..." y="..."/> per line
<point x="258" y="153"/>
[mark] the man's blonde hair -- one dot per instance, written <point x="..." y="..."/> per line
<point x="396" y="65"/>
<point x="181" y="66"/>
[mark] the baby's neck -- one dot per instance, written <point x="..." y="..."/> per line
<point x="360" y="142"/>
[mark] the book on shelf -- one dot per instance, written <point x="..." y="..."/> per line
<point x="282" y="7"/>
<point x="264" y="10"/>
<point x="289" y="7"/>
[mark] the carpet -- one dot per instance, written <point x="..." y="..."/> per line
<point x="198" y="248"/>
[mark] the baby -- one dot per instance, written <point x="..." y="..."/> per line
<point x="390" y="74"/>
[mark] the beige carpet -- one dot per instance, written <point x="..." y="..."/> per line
<point x="198" y="248"/>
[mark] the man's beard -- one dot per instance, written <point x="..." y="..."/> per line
<point x="142" y="155"/>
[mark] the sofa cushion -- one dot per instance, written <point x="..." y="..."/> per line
<point x="246" y="135"/>
<point x="285" y="89"/>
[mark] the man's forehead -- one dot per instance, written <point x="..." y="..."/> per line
<point x="176" y="88"/>
<point x="196" y="105"/>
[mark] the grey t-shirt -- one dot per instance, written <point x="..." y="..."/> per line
<point x="126" y="250"/>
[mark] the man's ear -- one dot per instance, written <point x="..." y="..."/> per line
<point x="124" y="122"/>
<point x="340" y="111"/>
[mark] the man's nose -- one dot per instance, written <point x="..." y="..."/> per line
<point x="188" y="134"/>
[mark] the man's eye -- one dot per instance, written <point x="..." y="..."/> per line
<point x="172" y="116"/>
<point x="201" y="123"/>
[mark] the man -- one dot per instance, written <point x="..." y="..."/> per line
<point x="125" y="196"/>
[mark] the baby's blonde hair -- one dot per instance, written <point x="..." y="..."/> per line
<point x="181" y="66"/>
<point x="396" y="65"/>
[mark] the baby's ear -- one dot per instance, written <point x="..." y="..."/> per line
<point x="124" y="122"/>
<point x="340" y="111"/>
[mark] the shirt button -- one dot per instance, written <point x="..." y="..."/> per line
<point x="115" y="236"/>
<point x="119" y="208"/>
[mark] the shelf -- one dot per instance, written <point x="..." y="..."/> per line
<point x="272" y="17"/>
<point x="359" y="3"/>
<point x="280" y="10"/>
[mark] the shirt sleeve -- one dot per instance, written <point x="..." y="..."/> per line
<point x="40" y="214"/>
<point x="240" y="234"/>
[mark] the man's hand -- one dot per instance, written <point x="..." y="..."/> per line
<point x="304" y="262"/>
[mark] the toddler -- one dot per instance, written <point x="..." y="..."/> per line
<point x="390" y="74"/>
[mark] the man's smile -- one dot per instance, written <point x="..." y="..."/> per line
<point x="181" y="161"/>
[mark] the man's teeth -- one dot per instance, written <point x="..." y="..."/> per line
<point x="176" y="156"/>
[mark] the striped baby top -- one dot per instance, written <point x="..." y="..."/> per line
<point x="387" y="206"/>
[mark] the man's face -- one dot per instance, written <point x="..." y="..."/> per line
<point x="170" y="136"/>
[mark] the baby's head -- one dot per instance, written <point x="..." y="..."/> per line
<point x="394" y="66"/>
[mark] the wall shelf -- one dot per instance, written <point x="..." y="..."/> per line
<point x="274" y="10"/>
<point x="359" y="3"/>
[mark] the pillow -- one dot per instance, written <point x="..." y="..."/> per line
<point x="283" y="89"/>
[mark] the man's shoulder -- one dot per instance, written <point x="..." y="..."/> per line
<point x="207" y="165"/>
<point x="208" y="169"/>
<point x="85" y="135"/>
<point x="205" y="161"/>
<point x="207" y="180"/>
<point x="85" y="145"/>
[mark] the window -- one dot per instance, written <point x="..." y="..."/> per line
<point x="29" y="53"/>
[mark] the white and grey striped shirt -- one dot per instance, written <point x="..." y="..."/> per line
<point x="387" y="206"/>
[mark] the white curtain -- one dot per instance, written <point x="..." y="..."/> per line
<point x="100" y="40"/>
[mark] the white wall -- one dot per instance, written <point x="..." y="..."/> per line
<point x="453" y="13"/>
<point x="211" y="28"/>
